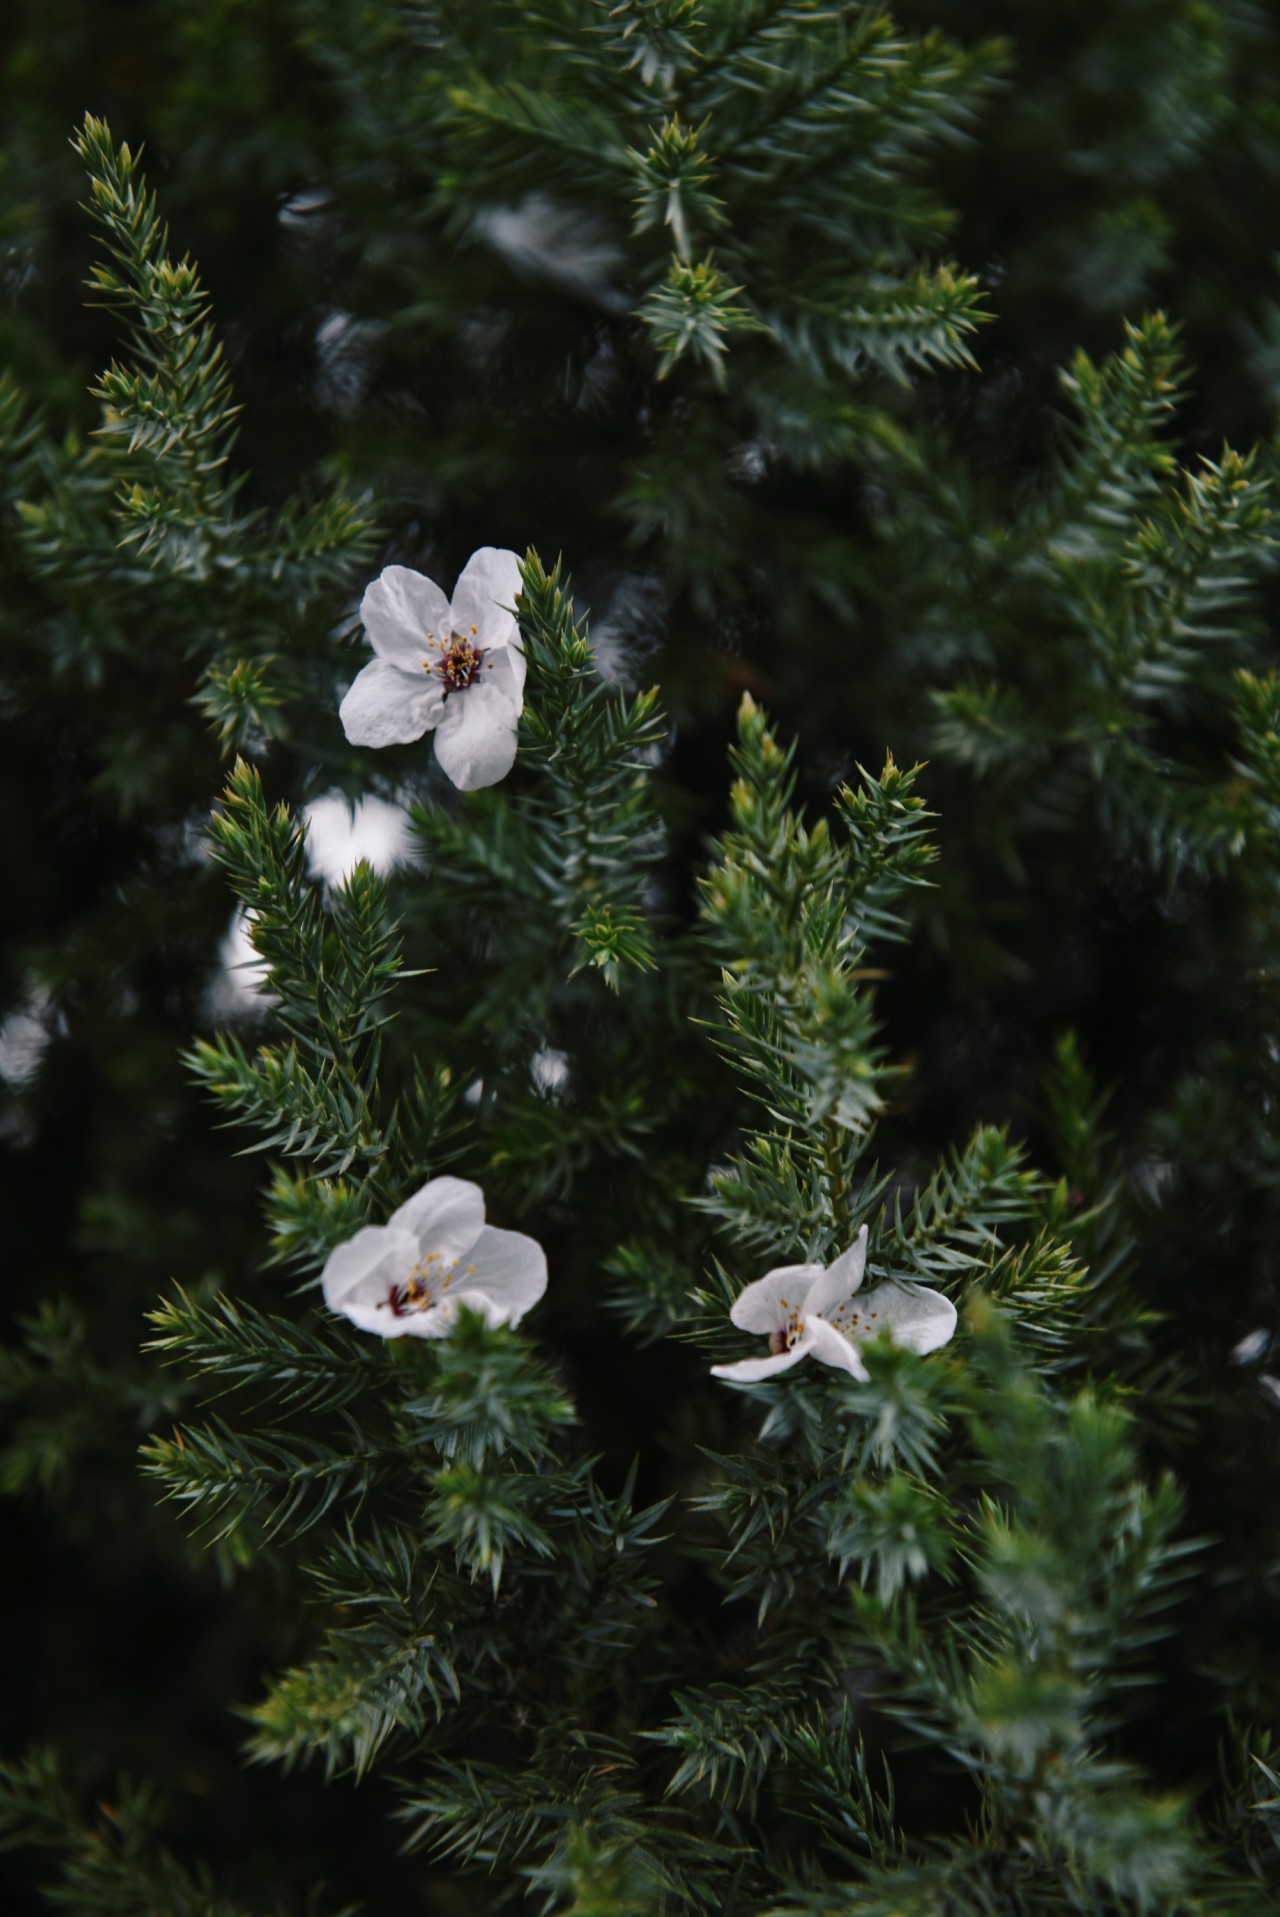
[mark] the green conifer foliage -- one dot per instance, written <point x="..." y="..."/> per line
<point x="958" y="1556"/>
<point x="676" y="288"/>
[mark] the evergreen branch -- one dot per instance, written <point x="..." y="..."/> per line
<point x="314" y="1115"/>
<point x="113" y="1866"/>
<point x="564" y="1808"/>
<point x="1193" y="566"/>
<point x="693" y="311"/>
<point x="1076" y="1570"/>
<point x="792" y="911"/>
<point x="613" y="1860"/>
<point x="671" y="188"/>
<point x="955" y="1221"/>
<point x="1146" y="589"/>
<point x="64" y="1401"/>
<point x="310" y="1215"/>
<point x="986" y="727"/>
<point x="486" y="1514"/>
<point x="165" y="492"/>
<point x="331" y="974"/>
<point x="894" y="1532"/>
<point x="729" y="1737"/>
<point x="20" y="441"/>
<point x="567" y="133"/>
<point x="243" y="1488"/>
<point x="765" y="1508"/>
<point x="482" y="1813"/>
<point x="899" y="1419"/>
<point x="596" y="830"/>
<point x="654" y="1288"/>
<point x="238" y="1348"/>
<point x="1118" y="459"/>
<point x="773" y="1192"/>
<point x="346" y="1704"/>
<point x="889" y="849"/>
<point x="578" y="849"/>
<point x="488" y="1396"/>
<point x="601" y="1599"/>
<point x="1048" y="1293"/>
<point x="387" y="1667"/>
<point x="833" y="1791"/>
<point x="814" y="87"/>
<point x="173" y="412"/>
<point x="892" y="324"/>
<point x="659" y="37"/>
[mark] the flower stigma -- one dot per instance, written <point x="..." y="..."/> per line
<point x="416" y="1294"/>
<point x="460" y="663"/>
<point x="785" y="1336"/>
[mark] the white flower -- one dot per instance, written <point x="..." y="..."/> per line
<point x="409" y="1277"/>
<point x="809" y="1311"/>
<point x="341" y="832"/>
<point x="456" y="668"/>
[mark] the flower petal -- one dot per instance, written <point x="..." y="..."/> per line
<point x="771" y="1301"/>
<point x="505" y="668"/>
<point x="914" y="1316"/>
<point x="481" y="1302"/>
<point x="446" y="1217"/>
<point x="385" y="706"/>
<point x="829" y="1347"/>
<point x="437" y="1321"/>
<point x="508" y="1269"/>
<point x="370" y="1263"/>
<point x="401" y="610"/>
<point x="490" y="581"/>
<point x="841" y="1279"/>
<point x="476" y="738"/>
<point x="751" y="1370"/>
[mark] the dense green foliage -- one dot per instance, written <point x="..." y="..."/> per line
<point x="872" y="370"/>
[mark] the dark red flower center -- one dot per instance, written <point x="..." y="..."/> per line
<point x="412" y="1296"/>
<point x="460" y="666"/>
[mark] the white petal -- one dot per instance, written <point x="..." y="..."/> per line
<point x="376" y="1315"/>
<point x="436" y="1322"/>
<point x="505" y="667"/>
<point x="490" y="581"/>
<point x="401" y="610"/>
<point x="369" y="1264"/>
<point x="509" y="1269"/>
<point x="476" y="738"/>
<point x="914" y="1316"/>
<point x="829" y="1348"/>
<point x="771" y="1301"/>
<point x="752" y="1370"/>
<point x="388" y="707"/>
<point x="481" y="1302"/>
<point x="446" y="1216"/>
<point x="840" y="1280"/>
